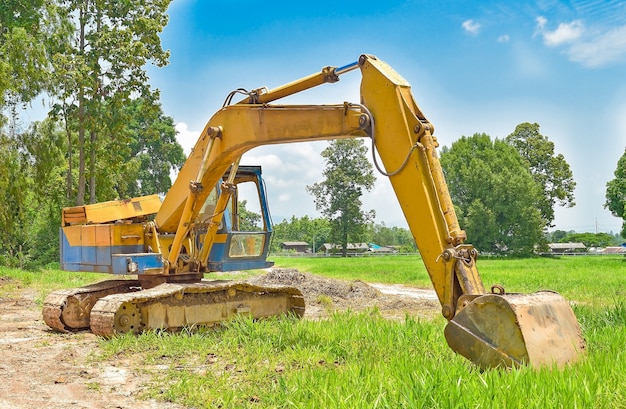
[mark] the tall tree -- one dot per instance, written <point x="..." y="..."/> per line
<point x="616" y="193"/>
<point x="338" y="196"/>
<point x="44" y="144"/>
<point x="14" y="199"/>
<point x="549" y="170"/>
<point x="28" y="31"/>
<point x="144" y="164"/>
<point x="495" y="193"/>
<point x="23" y="62"/>
<point x="98" y="72"/>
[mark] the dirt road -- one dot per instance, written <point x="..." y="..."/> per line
<point x="44" y="369"/>
<point x="40" y="368"/>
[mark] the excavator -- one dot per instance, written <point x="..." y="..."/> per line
<point x="170" y="244"/>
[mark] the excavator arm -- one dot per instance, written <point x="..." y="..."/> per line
<point x="490" y="328"/>
<point x="401" y="134"/>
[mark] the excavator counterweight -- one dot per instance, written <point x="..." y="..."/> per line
<point x="199" y="228"/>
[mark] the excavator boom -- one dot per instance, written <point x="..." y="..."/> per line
<point x="489" y="328"/>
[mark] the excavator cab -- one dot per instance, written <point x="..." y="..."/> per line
<point x="243" y="237"/>
<point x="109" y="237"/>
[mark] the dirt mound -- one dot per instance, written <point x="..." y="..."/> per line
<point x="314" y="286"/>
<point x="325" y="295"/>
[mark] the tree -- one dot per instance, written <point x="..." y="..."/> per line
<point x="24" y="32"/>
<point x="338" y="196"/>
<point x="28" y="28"/>
<point x="152" y="152"/>
<point x="14" y="200"/>
<point x="551" y="172"/>
<point x="393" y="236"/>
<point x="44" y="143"/>
<point x="313" y="231"/>
<point x="590" y="239"/>
<point x="495" y="194"/>
<point x="248" y="220"/>
<point x="98" y="72"/>
<point x="616" y="193"/>
<point x="557" y="235"/>
<point x="90" y="57"/>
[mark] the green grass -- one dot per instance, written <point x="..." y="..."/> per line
<point x="364" y="361"/>
<point x="45" y="280"/>
<point x="388" y="269"/>
<point x="585" y="279"/>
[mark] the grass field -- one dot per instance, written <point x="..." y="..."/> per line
<point x="363" y="361"/>
<point x="594" y="280"/>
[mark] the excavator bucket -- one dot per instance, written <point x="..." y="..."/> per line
<point x="506" y="330"/>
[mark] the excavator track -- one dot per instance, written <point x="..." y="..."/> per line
<point x="172" y="306"/>
<point x="69" y="309"/>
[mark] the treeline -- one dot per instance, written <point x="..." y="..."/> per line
<point x="105" y="136"/>
<point x="317" y="231"/>
<point x="597" y="240"/>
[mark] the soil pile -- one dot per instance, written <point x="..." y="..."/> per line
<point x="325" y="295"/>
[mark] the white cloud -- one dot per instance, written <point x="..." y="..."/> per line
<point x="541" y="24"/>
<point x="588" y="47"/>
<point x="504" y="38"/>
<point x="471" y="26"/>
<point x="600" y="50"/>
<point x="269" y="161"/>
<point x="186" y="137"/>
<point x="565" y="33"/>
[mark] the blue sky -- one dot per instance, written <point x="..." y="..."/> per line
<point x="475" y="66"/>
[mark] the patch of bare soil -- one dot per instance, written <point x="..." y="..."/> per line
<point x="40" y="368"/>
<point x="325" y="295"/>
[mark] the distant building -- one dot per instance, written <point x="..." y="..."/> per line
<point x="353" y="248"/>
<point x="375" y="248"/>
<point x="567" y="248"/>
<point x="297" y="246"/>
<point x="613" y="250"/>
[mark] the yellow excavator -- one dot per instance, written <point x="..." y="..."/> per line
<point x="170" y="244"/>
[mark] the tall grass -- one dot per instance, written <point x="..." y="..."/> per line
<point x="363" y="361"/>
